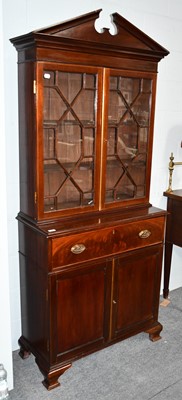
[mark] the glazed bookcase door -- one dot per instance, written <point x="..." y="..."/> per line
<point x="130" y="112"/>
<point x="69" y="123"/>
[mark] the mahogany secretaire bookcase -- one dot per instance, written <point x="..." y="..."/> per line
<point x="90" y="243"/>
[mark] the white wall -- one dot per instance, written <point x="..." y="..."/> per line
<point x="5" y="323"/>
<point x="160" y="19"/>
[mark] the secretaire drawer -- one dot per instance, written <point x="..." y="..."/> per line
<point x="106" y="241"/>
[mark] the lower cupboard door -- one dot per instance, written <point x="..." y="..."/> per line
<point x="136" y="291"/>
<point x="80" y="310"/>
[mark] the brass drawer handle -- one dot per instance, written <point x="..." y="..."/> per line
<point x="144" y="234"/>
<point x="78" y="248"/>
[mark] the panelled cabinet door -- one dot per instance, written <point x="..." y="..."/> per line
<point x="80" y="302"/>
<point x="69" y="120"/>
<point x="128" y="137"/>
<point x="136" y="290"/>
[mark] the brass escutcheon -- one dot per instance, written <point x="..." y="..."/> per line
<point x="144" y="234"/>
<point x="78" y="248"/>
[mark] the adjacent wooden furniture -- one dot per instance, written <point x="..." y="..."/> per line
<point x="90" y="243"/>
<point x="173" y="232"/>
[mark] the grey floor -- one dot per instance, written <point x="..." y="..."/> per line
<point x="134" y="369"/>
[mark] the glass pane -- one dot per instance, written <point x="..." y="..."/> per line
<point x="54" y="106"/>
<point x="127" y="144"/>
<point x="68" y="144"/>
<point x="89" y="142"/>
<point x="69" y="124"/>
<point x="49" y="143"/>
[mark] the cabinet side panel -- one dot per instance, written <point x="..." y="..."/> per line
<point x="33" y="281"/>
<point x="26" y="138"/>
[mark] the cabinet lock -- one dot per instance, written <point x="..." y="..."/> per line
<point x="144" y="234"/>
<point x="78" y="248"/>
